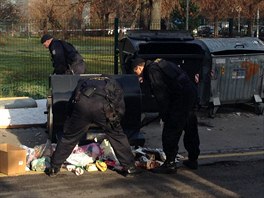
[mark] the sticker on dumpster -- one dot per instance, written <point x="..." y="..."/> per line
<point x="220" y="60"/>
<point x="223" y="70"/>
<point x="238" y="73"/>
<point x="237" y="59"/>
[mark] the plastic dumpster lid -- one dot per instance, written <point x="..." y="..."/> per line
<point x="158" y="35"/>
<point x="233" y="44"/>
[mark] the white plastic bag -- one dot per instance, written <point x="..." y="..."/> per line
<point x="79" y="159"/>
<point x="108" y="151"/>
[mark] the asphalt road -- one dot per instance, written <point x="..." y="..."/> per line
<point x="231" y="165"/>
<point x="221" y="179"/>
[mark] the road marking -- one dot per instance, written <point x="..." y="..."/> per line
<point x="13" y="98"/>
<point x="232" y="154"/>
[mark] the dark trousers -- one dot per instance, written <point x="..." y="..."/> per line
<point x="78" y="67"/>
<point x="85" y="112"/>
<point x="181" y="117"/>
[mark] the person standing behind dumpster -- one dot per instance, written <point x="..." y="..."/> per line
<point x="65" y="58"/>
<point x="99" y="101"/>
<point x="176" y="96"/>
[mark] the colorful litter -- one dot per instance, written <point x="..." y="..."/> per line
<point x="92" y="157"/>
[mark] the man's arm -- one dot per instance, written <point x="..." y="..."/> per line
<point x="58" y="58"/>
<point x="160" y="90"/>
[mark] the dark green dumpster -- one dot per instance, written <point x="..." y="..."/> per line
<point x="179" y="47"/>
<point x="61" y="87"/>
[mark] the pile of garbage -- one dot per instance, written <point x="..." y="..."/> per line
<point x="92" y="157"/>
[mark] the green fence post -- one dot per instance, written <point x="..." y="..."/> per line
<point x="116" y="47"/>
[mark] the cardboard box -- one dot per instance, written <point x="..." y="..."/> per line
<point x="12" y="159"/>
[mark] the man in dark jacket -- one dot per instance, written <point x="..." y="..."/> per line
<point x="65" y="58"/>
<point x="176" y="96"/>
<point x="94" y="101"/>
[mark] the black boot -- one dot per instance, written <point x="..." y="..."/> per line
<point x="191" y="164"/>
<point x="129" y="171"/>
<point x="52" y="172"/>
<point x="166" y="168"/>
<point x="133" y="170"/>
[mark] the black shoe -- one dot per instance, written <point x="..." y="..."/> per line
<point x="191" y="164"/>
<point x="132" y="171"/>
<point x="166" y="168"/>
<point x="53" y="172"/>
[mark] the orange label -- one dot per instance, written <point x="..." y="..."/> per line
<point x="251" y="69"/>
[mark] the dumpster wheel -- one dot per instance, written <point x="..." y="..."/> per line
<point x="212" y="110"/>
<point x="259" y="108"/>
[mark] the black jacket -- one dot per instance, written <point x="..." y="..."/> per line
<point x="168" y="83"/>
<point x="63" y="55"/>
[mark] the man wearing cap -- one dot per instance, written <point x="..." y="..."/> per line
<point x="176" y="96"/>
<point x="65" y="58"/>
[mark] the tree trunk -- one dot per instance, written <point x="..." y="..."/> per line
<point x="231" y="23"/>
<point x="144" y="15"/>
<point x="155" y="15"/>
<point x="80" y="14"/>
<point x="136" y="15"/>
<point x="215" y="26"/>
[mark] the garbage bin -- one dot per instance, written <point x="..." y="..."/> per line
<point x="179" y="47"/>
<point x="230" y="70"/>
<point x="61" y="87"/>
<point x="237" y="71"/>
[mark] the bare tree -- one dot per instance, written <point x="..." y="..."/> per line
<point x="167" y="7"/>
<point x="249" y="10"/>
<point x="52" y="14"/>
<point x="8" y="10"/>
<point x="214" y="10"/>
<point x="146" y="13"/>
<point x="78" y="7"/>
<point x="102" y="10"/>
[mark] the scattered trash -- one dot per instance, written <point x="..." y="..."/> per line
<point x="70" y="167"/>
<point x="37" y="134"/>
<point x="91" y="167"/>
<point x="75" y="169"/>
<point x="113" y="165"/>
<point x="40" y="164"/>
<point x="79" y="159"/>
<point x="93" y="157"/>
<point x="92" y="150"/>
<point x="108" y="152"/>
<point x="44" y="149"/>
<point x="238" y="113"/>
<point x="102" y="166"/>
<point x="148" y="163"/>
<point x="79" y="171"/>
<point x="149" y="158"/>
<point x="30" y="155"/>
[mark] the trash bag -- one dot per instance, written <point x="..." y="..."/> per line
<point x="30" y="155"/>
<point x="108" y="151"/>
<point x="92" y="150"/>
<point x="44" y="149"/>
<point x="40" y="164"/>
<point x="79" y="159"/>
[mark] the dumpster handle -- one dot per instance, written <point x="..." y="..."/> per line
<point x="239" y="45"/>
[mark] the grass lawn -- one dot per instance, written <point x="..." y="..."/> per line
<point x="25" y="64"/>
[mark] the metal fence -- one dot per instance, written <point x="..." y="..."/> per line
<point x="25" y="64"/>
